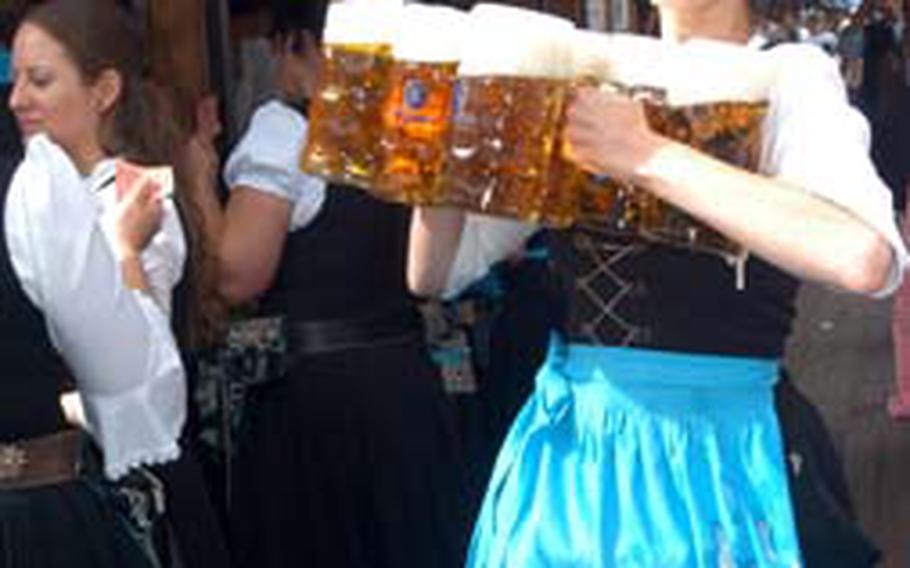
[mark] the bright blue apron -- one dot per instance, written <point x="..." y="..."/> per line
<point x="635" y="458"/>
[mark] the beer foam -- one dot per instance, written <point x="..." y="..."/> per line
<point x="511" y="41"/>
<point x="429" y="34"/>
<point x="711" y="71"/>
<point x="623" y="58"/>
<point x="362" y="22"/>
<point x="693" y="72"/>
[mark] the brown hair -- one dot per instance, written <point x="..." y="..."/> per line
<point x="99" y="35"/>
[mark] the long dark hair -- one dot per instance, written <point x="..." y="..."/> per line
<point x="293" y="16"/>
<point x="98" y="36"/>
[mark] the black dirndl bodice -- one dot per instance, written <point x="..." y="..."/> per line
<point x="350" y="261"/>
<point x="627" y="292"/>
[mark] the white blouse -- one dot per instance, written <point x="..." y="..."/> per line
<point x="267" y="159"/>
<point x="813" y="139"/>
<point x="117" y="342"/>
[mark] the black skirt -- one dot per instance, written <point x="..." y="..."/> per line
<point x="71" y="525"/>
<point x="350" y="461"/>
<point x="828" y="531"/>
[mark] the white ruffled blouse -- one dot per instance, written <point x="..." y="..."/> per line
<point x="117" y="342"/>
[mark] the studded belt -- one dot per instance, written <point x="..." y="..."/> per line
<point x="42" y="461"/>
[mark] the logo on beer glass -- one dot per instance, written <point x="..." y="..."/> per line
<point x="415" y="94"/>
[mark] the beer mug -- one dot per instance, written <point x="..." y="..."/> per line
<point x="513" y="78"/>
<point x="605" y="61"/>
<point x="717" y="101"/>
<point x="343" y="142"/>
<point x="708" y="95"/>
<point x="416" y="114"/>
<point x="597" y="59"/>
<point x="727" y="130"/>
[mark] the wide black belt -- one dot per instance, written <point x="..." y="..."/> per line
<point x="326" y="336"/>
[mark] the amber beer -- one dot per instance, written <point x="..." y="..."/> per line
<point x="727" y="130"/>
<point x="710" y="96"/>
<point x="512" y="84"/>
<point x="503" y="136"/>
<point x="344" y="138"/>
<point x="598" y="60"/>
<point x="417" y="111"/>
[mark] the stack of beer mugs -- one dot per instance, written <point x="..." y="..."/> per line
<point x="427" y="105"/>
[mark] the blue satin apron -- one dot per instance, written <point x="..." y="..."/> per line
<point x="635" y="458"/>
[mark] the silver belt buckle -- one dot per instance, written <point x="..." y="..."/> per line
<point x="12" y="461"/>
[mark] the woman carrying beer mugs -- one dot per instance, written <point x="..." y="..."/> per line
<point x="348" y="457"/>
<point x="661" y="432"/>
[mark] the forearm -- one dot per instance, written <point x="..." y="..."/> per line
<point x="435" y="236"/>
<point x="792" y="228"/>
<point x="134" y="276"/>
<point x="211" y="213"/>
<point x="254" y="229"/>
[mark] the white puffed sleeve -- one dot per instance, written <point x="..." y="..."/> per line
<point x="116" y="341"/>
<point x="485" y="240"/>
<point x="816" y="141"/>
<point x="267" y="159"/>
<point x="164" y="257"/>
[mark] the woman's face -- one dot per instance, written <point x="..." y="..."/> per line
<point x="49" y="93"/>
<point x="299" y="60"/>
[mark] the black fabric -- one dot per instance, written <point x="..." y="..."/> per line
<point x="884" y="98"/>
<point x="350" y="462"/>
<point x="351" y="459"/>
<point x="195" y="535"/>
<point x="73" y="525"/>
<point x="322" y="336"/>
<point x="669" y="298"/>
<point x="348" y="262"/>
<point x="10" y="140"/>
<point x="825" y="517"/>
<point x="32" y="370"/>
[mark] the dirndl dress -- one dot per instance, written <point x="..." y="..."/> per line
<point x="662" y="426"/>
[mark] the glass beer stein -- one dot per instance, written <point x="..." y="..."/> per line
<point x="513" y="78"/>
<point x="417" y="111"/>
<point x="344" y="138"/>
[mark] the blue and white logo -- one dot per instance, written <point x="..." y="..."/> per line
<point x="415" y="94"/>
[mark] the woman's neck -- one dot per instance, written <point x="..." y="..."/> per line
<point x="86" y="157"/>
<point x="726" y="20"/>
